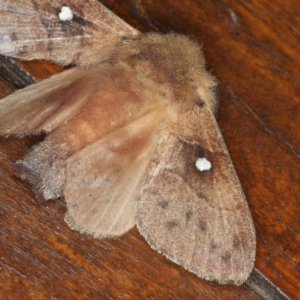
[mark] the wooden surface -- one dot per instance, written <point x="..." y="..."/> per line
<point x="252" y="47"/>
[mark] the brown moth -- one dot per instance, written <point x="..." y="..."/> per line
<point x="131" y="135"/>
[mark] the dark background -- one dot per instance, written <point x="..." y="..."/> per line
<point x="252" y="47"/>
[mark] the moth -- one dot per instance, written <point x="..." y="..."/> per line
<point x="131" y="136"/>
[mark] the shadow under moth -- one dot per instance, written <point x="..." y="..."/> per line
<point x="131" y="135"/>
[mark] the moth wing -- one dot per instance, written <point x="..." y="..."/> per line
<point x="45" y="105"/>
<point x="103" y="179"/>
<point x="34" y="30"/>
<point x="199" y="220"/>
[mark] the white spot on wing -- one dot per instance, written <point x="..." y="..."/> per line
<point x="203" y="164"/>
<point x="66" y="14"/>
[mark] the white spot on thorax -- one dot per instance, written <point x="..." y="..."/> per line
<point x="66" y="14"/>
<point x="203" y="164"/>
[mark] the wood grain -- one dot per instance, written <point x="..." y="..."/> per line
<point x="252" y="47"/>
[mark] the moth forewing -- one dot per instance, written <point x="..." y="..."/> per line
<point x="198" y="219"/>
<point x="36" y="30"/>
<point x="128" y="127"/>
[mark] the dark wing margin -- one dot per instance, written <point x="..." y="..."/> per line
<point x="33" y="29"/>
<point x="200" y="220"/>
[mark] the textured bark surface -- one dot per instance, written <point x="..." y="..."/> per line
<point x="252" y="49"/>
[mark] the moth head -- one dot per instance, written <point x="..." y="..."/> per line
<point x="175" y="64"/>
